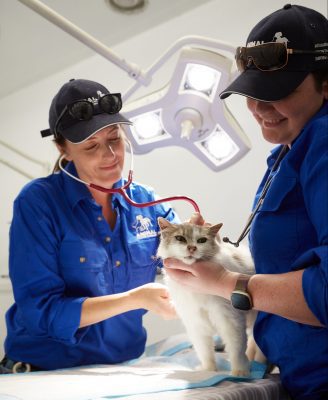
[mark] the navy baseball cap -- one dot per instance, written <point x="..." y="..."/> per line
<point x="299" y="28"/>
<point x="77" y="131"/>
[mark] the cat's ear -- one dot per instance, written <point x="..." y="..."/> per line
<point x="214" y="229"/>
<point x="163" y="223"/>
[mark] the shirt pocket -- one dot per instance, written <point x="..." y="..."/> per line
<point x="83" y="267"/>
<point x="143" y="261"/>
<point x="278" y="194"/>
<point x="274" y="236"/>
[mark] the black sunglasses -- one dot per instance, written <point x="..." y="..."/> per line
<point x="268" y="56"/>
<point x="84" y="110"/>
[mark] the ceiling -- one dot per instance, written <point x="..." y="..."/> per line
<point x="33" y="48"/>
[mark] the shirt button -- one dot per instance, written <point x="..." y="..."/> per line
<point x="99" y="218"/>
<point x="153" y="258"/>
<point x="82" y="259"/>
<point x="117" y="263"/>
<point x="107" y="239"/>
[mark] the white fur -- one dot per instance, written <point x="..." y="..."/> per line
<point x="205" y="315"/>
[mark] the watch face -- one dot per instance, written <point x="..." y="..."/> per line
<point x="241" y="301"/>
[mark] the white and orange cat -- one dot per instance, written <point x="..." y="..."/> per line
<point x="205" y="315"/>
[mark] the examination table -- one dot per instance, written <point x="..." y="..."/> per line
<point x="167" y="371"/>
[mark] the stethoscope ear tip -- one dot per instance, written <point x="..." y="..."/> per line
<point x="227" y="240"/>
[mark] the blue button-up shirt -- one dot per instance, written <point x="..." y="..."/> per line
<point x="62" y="251"/>
<point x="290" y="232"/>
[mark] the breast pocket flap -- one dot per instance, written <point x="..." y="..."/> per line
<point x="82" y="255"/>
<point x="277" y="192"/>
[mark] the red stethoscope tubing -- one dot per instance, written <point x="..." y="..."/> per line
<point x="122" y="192"/>
<point x="148" y="203"/>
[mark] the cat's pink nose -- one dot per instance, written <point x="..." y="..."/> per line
<point x="191" y="248"/>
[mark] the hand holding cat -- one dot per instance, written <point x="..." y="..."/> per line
<point x="197" y="219"/>
<point x="154" y="297"/>
<point x="202" y="276"/>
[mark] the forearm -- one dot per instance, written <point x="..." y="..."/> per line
<point x="280" y="294"/>
<point x="153" y="297"/>
<point x="96" y="309"/>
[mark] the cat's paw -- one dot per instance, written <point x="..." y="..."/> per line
<point x="240" y="372"/>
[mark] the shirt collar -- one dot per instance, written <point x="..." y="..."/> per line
<point x="321" y="113"/>
<point x="275" y="151"/>
<point x="274" y="155"/>
<point x="117" y="198"/>
<point x="76" y="191"/>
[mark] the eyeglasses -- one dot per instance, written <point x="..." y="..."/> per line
<point x="268" y="56"/>
<point x="84" y="110"/>
<point x="259" y="203"/>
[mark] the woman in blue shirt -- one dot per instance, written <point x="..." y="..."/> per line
<point x="287" y="93"/>
<point x="82" y="262"/>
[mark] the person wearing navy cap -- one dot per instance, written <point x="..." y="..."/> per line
<point x="284" y="76"/>
<point x="82" y="261"/>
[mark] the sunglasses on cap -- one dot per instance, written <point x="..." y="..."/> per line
<point x="84" y="110"/>
<point x="268" y="56"/>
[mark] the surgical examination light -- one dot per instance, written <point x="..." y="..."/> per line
<point x="186" y="112"/>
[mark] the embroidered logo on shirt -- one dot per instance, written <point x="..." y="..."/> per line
<point x="143" y="227"/>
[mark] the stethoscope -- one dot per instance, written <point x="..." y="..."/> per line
<point x="121" y="190"/>
<point x="260" y="200"/>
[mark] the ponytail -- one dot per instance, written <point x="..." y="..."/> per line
<point x="56" y="167"/>
<point x="60" y="141"/>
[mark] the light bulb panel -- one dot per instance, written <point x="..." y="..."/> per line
<point x="200" y="79"/>
<point x="148" y="127"/>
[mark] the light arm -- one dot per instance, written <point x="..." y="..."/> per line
<point x="66" y="25"/>
<point x="135" y="72"/>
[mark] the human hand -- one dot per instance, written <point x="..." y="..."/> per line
<point x="197" y="219"/>
<point x="202" y="276"/>
<point x="155" y="297"/>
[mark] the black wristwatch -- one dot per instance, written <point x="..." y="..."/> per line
<point x="240" y="298"/>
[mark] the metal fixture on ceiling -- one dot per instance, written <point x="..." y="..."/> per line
<point x="127" y="6"/>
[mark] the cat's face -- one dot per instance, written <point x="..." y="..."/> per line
<point x="188" y="242"/>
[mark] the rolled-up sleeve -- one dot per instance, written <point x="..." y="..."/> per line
<point x="314" y="181"/>
<point x="44" y="308"/>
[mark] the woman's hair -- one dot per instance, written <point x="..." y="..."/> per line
<point x="320" y="76"/>
<point x="59" y="140"/>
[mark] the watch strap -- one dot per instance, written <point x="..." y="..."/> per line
<point x="245" y="302"/>
<point x="242" y="283"/>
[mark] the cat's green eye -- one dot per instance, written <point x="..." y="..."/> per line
<point x="202" y="240"/>
<point x="180" y="238"/>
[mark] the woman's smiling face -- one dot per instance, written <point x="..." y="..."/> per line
<point x="100" y="158"/>
<point x="282" y="121"/>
